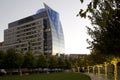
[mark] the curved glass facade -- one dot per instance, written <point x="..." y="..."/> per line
<point x="40" y="10"/>
<point x="57" y="32"/>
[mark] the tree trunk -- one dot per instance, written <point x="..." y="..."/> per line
<point x="78" y="69"/>
<point x="88" y="69"/>
<point x="20" y="71"/>
<point x="106" y="70"/>
<point x="93" y="69"/>
<point x="115" y="71"/>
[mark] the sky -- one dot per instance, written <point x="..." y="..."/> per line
<point x="74" y="28"/>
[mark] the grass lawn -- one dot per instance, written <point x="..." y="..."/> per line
<point x="50" y="76"/>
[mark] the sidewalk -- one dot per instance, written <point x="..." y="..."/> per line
<point x="95" y="77"/>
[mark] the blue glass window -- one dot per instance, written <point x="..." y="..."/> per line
<point x="54" y="17"/>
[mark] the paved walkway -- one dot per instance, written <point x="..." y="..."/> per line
<point x="96" y="77"/>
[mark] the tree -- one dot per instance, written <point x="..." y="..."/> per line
<point x="67" y="64"/>
<point x="60" y="63"/>
<point x="29" y="60"/>
<point x="105" y="32"/>
<point x="52" y="62"/>
<point x="72" y="61"/>
<point x="94" y="59"/>
<point x="42" y="61"/>
<point x="19" y="61"/>
<point x="2" y="54"/>
<point x="9" y="59"/>
<point x="12" y="60"/>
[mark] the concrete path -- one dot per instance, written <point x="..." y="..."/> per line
<point x="95" y="77"/>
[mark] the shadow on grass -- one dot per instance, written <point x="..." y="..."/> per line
<point x="50" y="76"/>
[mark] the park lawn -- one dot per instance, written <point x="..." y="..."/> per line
<point x="50" y="76"/>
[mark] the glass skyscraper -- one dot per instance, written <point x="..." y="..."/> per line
<point x="40" y="33"/>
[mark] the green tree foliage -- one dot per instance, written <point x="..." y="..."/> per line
<point x="52" y="62"/>
<point x="2" y="54"/>
<point x="60" y="63"/>
<point x="67" y="64"/>
<point x="20" y="59"/>
<point x="42" y="61"/>
<point x="105" y="33"/>
<point x="9" y="59"/>
<point x="94" y="59"/>
<point x="29" y="60"/>
<point x="82" y="62"/>
<point x="71" y="62"/>
<point x="12" y="59"/>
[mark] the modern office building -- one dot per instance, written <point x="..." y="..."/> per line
<point x="39" y="33"/>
